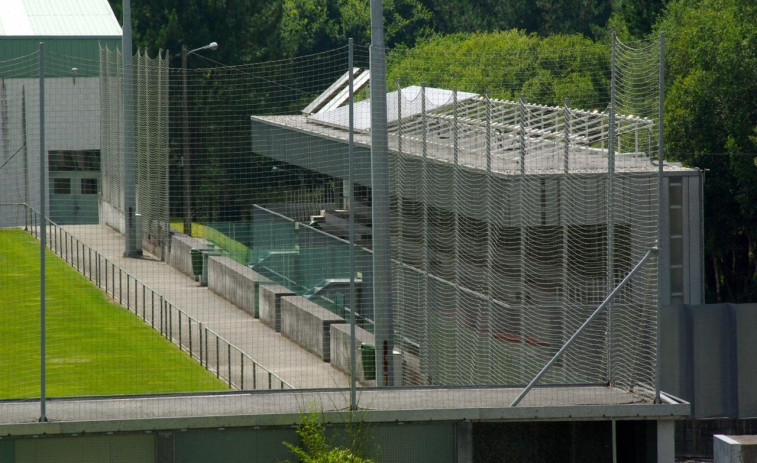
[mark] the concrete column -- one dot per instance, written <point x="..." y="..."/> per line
<point x="666" y="444"/>
<point x="346" y="195"/>
<point x="464" y="442"/>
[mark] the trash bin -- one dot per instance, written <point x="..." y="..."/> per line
<point x="196" y="255"/>
<point x="368" y="354"/>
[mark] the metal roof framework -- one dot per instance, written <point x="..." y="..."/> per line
<point x="554" y="139"/>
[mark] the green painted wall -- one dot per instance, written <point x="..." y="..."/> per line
<point x="395" y="443"/>
<point x="62" y="53"/>
<point x="233" y="446"/>
<point x="427" y="442"/>
<point x="85" y="449"/>
<point x="7" y="451"/>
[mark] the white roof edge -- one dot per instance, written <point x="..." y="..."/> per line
<point x="58" y="19"/>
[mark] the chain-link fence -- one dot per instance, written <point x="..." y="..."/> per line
<point x="523" y="231"/>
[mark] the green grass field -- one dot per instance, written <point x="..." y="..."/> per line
<point x="236" y="250"/>
<point x="94" y="347"/>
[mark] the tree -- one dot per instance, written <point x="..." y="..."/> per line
<point x="508" y="64"/>
<point x="309" y="26"/>
<point x="545" y="17"/>
<point x="711" y="123"/>
<point x="638" y="16"/>
<point x="243" y="36"/>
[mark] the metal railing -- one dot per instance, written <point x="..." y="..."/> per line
<point x="211" y="350"/>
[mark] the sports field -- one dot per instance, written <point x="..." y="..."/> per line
<point x="94" y="347"/>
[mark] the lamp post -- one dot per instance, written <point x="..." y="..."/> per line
<point x="187" y="158"/>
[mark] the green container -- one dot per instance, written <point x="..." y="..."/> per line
<point x="196" y="255"/>
<point x="368" y="353"/>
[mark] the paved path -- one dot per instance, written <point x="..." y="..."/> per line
<point x="286" y="359"/>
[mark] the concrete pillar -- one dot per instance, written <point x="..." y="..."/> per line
<point x="666" y="446"/>
<point x="345" y="194"/>
<point x="464" y="442"/>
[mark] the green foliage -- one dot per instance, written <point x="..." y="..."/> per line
<point x="636" y="17"/>
<point x="510" y="63"/>
<point x="315" y="447"/>
<point x="246" y="30"/>
<point x="546" y="17"/>
<point x="94" y="347"/>
<point x="711" y="121"/>
<point x="309" y="26"/>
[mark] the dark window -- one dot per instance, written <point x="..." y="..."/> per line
<point x="70" y="160"/>
<point x="62" y="186"/>
<point x="89" y="186"/>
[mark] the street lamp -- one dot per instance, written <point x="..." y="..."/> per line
<point x="187" y="158"/>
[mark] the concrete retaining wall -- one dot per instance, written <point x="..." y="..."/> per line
<point x="735" y="449"/>
<point x="340" y="347"/>
<point x="308" y="324"/>
<point x="269" y="300"/>
<point x="110" y="216"/>
<point x="180" y="247"/>
<point x="235" y="282"/>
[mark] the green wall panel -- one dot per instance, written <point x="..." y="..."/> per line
<point x="7" y="451"/>
<point x="86" y="449"/>
<point x="233" y="446"/>
<point x="62" y="54"/>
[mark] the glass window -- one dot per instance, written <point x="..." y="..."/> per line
<point x="89" y="186"/>
<point x="68" y="160"/>
<point x="62" y="186"/>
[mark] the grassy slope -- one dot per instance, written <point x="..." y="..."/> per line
<point x="236" y="250"/>
<point x="94" y="347"/>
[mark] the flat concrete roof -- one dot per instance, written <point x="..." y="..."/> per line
<point x="283" y="408"/>
<point x="446" y="131"/>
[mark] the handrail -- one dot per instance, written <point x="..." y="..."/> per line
<point x="167" y="308"/>
<point x="588" y="321"/>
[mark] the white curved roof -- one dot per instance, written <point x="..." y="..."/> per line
<point x="57" y="18"/>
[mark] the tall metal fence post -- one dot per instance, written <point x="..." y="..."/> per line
<point x="661" y="218"/>
<point x="130" y="203"/>
<point x="459" y="360"/>
<point x="351" y="150"/>
<point x="27" y="210"/>
<point x="382" y="259"/>
<point x="611" y="204"/>
<point x="521" y="219"/>
<point x="429" y="353"/>
<point x="43" y="235"/>
<point x="489" y="235"/>
<point x="564" y="222"/>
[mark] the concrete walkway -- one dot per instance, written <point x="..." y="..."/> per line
<point x="286" y="359"/>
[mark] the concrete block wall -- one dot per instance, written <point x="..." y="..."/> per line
<point x="340" y="347"/>
<point x="308" y="324"/>
<point x="735" y="449"/>
<point x="180" y="247"/>
<point x="235" y="282"/>
<point x="269" y="300"/>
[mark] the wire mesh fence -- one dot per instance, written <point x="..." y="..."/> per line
<point x="513" y="217"/>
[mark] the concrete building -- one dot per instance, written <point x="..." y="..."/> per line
<point x="72" y="32"/>
<point x="503" y="216"/>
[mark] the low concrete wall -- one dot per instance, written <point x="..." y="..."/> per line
<point x="269" y="300"/>
<point x="308" y="324"/>
<point x="735" y="449"/>
<point x="340" y="347"/>
<point x="235" y="282"/>
<point x="180" y="247"/>
<point x="110" y="216"/>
